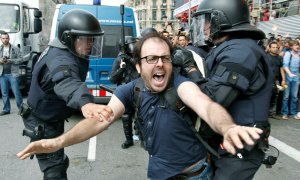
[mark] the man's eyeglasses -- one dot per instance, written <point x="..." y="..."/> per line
<point x="152" y="59"/>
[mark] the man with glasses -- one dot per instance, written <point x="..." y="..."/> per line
<point x="174" y="151"/>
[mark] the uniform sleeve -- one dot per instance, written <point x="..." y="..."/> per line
<point x="68" y="84"/>
<point x="237" y="71"/>
<point x="235" y="68"/>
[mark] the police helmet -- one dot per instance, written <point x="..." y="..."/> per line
<point x="81" y="33"/>
<point x="129" y="43"/>
<point x="147" y="31"/>
<point x="216" y="17"/>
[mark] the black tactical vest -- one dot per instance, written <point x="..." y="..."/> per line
<point x="248" y="108"/>
<point x="46" y="107"/>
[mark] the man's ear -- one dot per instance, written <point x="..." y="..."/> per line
<point x="138" y="68"/>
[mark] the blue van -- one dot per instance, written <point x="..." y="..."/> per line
<point x="110" y="20"/>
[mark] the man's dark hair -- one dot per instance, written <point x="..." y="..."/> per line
<point x="182" y="35"/>
<point x="139" y="44"/>
<point x="273" y="42"/>
<point x="293" y="42"/>
<point x="5" y="33"/>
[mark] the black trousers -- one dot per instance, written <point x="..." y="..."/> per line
<point x="231" y="167"/>
<point x="51" y="130"/>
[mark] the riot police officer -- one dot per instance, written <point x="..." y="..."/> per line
<point x="124" y="71"/>
<point x="58" y="86"/>
<point x="239" y="78"/>
<point x="147" y="31"/>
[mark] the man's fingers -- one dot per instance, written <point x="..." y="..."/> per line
<point x="249" y="134"/>
<point x="235" y="137"/>
<point x="229" y="147"/>
<point x="232" y="135"/>
<point x="37" y="147"/>
<point x="244" y="134"/>
<point x="106" y="113"/>
<point x="26" y="155"/>
<point x="255" y="133"/>
<point x="28" y="151"/>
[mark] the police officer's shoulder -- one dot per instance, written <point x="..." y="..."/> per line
<point x="56" y="43"/>
<point x="60" y="57"/>
<point x="230" y="51"/>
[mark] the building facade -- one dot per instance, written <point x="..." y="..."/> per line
<point x="155" y="13"/>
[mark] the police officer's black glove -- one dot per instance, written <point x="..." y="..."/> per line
<point x="197" y="77"/>
<point x="126" y="58"/>
<point x="183" y="58"/>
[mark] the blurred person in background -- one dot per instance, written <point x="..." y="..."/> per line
<point x="10" y="59"/>
<point x="291" y="64"/>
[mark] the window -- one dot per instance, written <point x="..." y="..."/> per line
<point x="172" y="15"/>
<point x="164" y="4"/>
<point x="154" y="15"/>
<point x="140" y="15"/>
<point x="112" y="38"/>
<point x="10" y="18"/>
<point x="154" y="3"/>
<point x="163" y="13"/>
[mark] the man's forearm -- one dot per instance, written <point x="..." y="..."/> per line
<point x="214" y="114"/>
<point x="218" y="118"/>
<point x="82" y="131"/>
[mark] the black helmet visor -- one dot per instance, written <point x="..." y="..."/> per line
<point x="201" y="29"/>
<point x="88" y="46"/>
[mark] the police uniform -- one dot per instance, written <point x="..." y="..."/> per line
<point x="240" y="78"/>
<point x="123" y="75"/>
<point x="57" y="88"/>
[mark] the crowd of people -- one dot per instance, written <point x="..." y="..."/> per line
<point x="285" y="60"/>
<point x="165" y="80"/>
<point x="171" y="84"/>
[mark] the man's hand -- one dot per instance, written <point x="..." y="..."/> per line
<point x="98" y="111"/>
<point x="292" y="75"/>
<point x="41" y="146"/>
<point x="2" y="61"/>
<point x="236" y="135"/>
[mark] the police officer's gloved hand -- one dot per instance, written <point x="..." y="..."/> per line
<point x="126" y="58"/>
<point x="197" y="77"/>
<point x="183" y="58"/>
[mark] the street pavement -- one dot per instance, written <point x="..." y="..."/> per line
<point x="114" y="163"/>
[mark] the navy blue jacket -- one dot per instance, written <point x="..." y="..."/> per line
<point x="58" y="84"/>
<point x="240" y="78"/>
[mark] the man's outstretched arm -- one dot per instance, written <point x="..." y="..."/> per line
<point x="217" y="118"/>
<point x="82" y="131"/>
